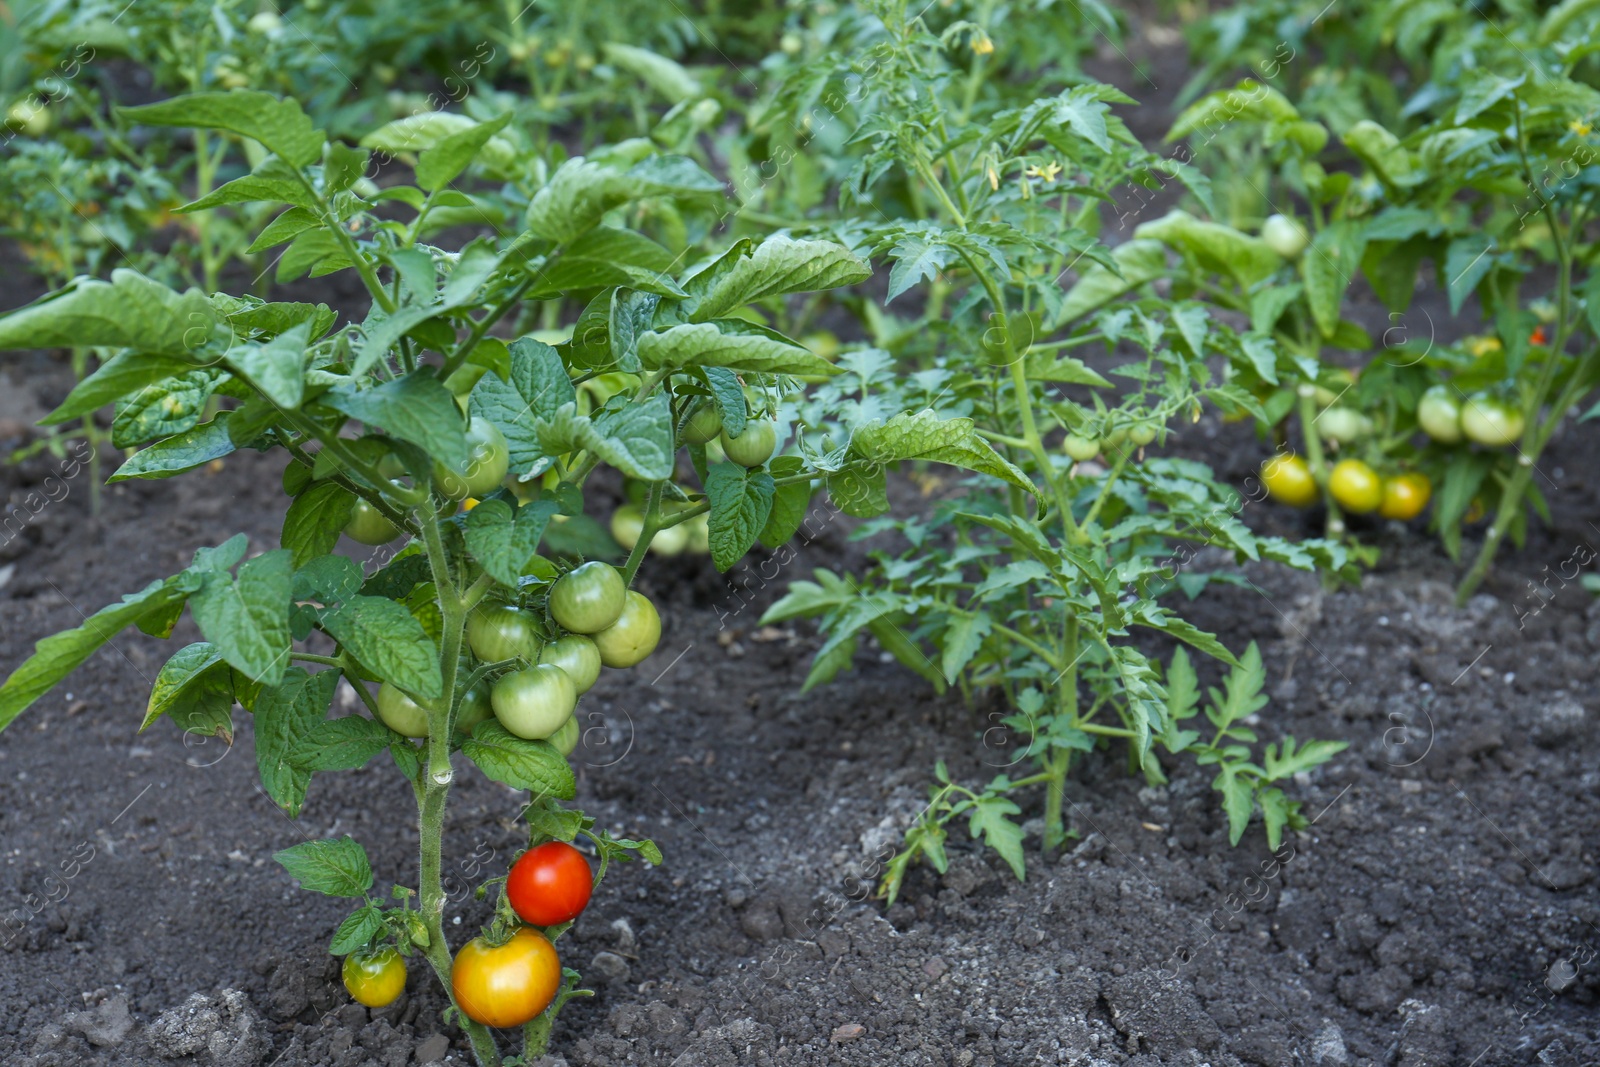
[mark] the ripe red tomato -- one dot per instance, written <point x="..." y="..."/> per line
<point x="549" y="884"/>
<point x="506" y="985"/>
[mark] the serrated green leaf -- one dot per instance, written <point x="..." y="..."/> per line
<point x="925" y="436"/>
<point x="962" y="639"/>
<point x="442" y="163"/>
<point x="285" y="714"/>
<point x="337" y="868"/>
<point x="1219" y="248"/>
<point x="729" y="343"/>
<point x="536" y="390"/>
<point x="415" y="408"/>
<point x="122" y="376"/>
<point x="749" y="272"/>
<point x="276" y="367"/>
<point x="129" y="311"/>
<point x="533" y="765"/>
<point x="605" y="257"/>
<point x="181" y="452"/>
<point x="634" y="438"/>
<point x="357" y="931"/>
<point x="194" y="689"/>
<point x="580" y="192"/>
<point x="502" y="540"/>
<point x="988" y="819"/>
<point x="387" y="640"/>
<point x="315" y="519"/>
<point x="341" y="744"/>
<point x="741" y="502"/>
<point x="248" y="618"/>
<point x="663" y="75"/>
<point x="789" y="502"/>
<point x="276" y="124"/>
<point x="1238" y="800"/>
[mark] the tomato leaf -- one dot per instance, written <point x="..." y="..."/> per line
<point x="315" y="519"/>
<point x="276" y="367"/>
<point x="278" y="125"/>
<point x="387" y="640"/>
<point x="741" y="501"/>
<point x="195" y="689"/>
<point x="338" y="868"/>
<point x="537" y="388"/>
<point x="415" y="408"/>
<point x="58" y="655"/>
<point x="727" y="392"/>
<point x="441" y="164"/>
<point x="357" y="931"/>
<point x="789" y="502"/>
<point x="730" y="343"/>
<point x="181" y="452"/>
<point x="284" y="715"/>
<point x="606" y="257"/>
<point x="1238" y="800"/>
<point x="748" y="272"/>
<point x="580" y="192"/>
<point x="129" y="311"/>
<point x="962" y="639"/>
<point x="925" y="436"/>
<point x="341" y="744"/>
<point x="634" y="438"/>
<point x="121" y="376"/>
<point x="503" y="539"/>
<point x="248" y="618"/>
<point x="988" y="819"/>
<point x="531" y="765"/>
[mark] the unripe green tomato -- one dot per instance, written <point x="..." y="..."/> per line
<point x="791" y="44"/>
<point x="627" y="523"/>
<point x="578" y="656"/>
<point x="588" y="598"/>
<point x="699" y="534"/>
<point x="29" y="118"/>
<point x="1355" y="486"/>
<point x="533" y="703"/>
<point x="1116" y="440"/>
<point x="400" y="713"/>
<point x="704" y="425"/>
<point x="754" y="446"/>
<point x="488" y="460"/>
<point x="1142" y="433"/>
<point x="1439" y="414"/>
<point x="266" y="23"/>
<point x="498" y="632"/>
<point x="1491" y="422"/>
<point x="671" y="541"/>
<point x="475" y="708"/>
<point x="1081" y="448"/>
<point x="369" y="526"/>
<point x="635" y="634"/>
<point x="1285" y="236"/>
<point x="375" y="979"/>
<point x="1343" y="425"/>
<point x="566" y="739"/>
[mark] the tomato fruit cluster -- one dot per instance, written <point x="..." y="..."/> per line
<point x="1354" y="485"/>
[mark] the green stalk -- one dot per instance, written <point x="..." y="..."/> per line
<point x="652" y="525"/>
<point x="1318" y="462"/>
<point x="1059" y="761"/>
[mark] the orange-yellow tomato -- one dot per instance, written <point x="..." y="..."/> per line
<point x="507" y="985"/>
<point x="1405" y="495"/>
<point x="1289" y="480"/>
<point x="1355" y="486"/>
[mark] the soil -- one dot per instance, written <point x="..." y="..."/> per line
<point x="1441" y="909"/>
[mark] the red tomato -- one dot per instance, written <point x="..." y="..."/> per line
<point x="550" y="884"/>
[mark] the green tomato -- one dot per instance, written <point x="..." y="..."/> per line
<point x="400" y="713"/>
<point x="699" y="534"/>
<point x="498" y="632"/>
<point x="1284" y="236"/>
<point x="1439" y="415"/>
<point x="369" y="526"/>
<point x="1491" y="422"/>
<point x="753" y="447"/>
<point x="1343" y="425"/>
<point x="376" y="978"/>
<point x="29" y="117"/>
<point x="475" y="708"/>
<point x="488" y="460"/>
<point x="588" y="598"/>
<point x="671" y="541"/>
<point x="566" y="738"/>
<point x="1081" y="448"/>
<point x="533" y="703"/>
<point x="1142" y="433"/>
<point x="703" y="425"/>
<point x="627" y="523"/>
<point x="578" y="656"/>
<point x="633" y="636"/>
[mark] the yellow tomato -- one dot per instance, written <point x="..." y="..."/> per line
<point x="1355" y="486"/>
<point x="1289" y="480"/>
<point x="1405" y="496"/>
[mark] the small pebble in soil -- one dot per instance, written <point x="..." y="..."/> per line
<point x="847" y="1032"/>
